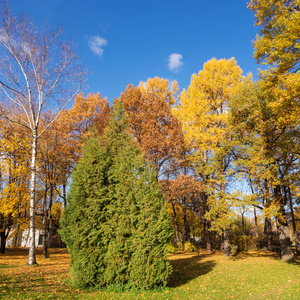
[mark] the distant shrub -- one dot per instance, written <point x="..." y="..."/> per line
<point x="179" y="246"/>
<point x="171" y="249"/>
<point x="188" y="247"/>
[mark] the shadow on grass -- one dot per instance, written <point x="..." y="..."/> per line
<point x="295" y="262"/>
<point x="188" y="268"/>
<point x="251" y="254"/>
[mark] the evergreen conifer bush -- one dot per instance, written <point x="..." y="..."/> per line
<point x="116" y="225"/>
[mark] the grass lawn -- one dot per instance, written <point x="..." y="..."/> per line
<point x="252" y="275"/>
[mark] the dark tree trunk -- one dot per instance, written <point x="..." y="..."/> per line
<point x="3" y="241"/>
<point x="218" y="241"/>
<point x="268" y="234"/>
<point x="222" y="242"/>
<point x="206" y="223"/>
<point x="186" y="237"/>
<point x="45" y="219"/>
<point x="243" y="223"/>
<point x="255" y="222"/>
<point x="207" y="234"/>
<point x="47" y="224"/>
<point x="227" y="248"/>
<point x="286" y="253"/>
<point x="65" y="195"/>
<point x="45" y="242"/>
<point x="175" y="223"/>
<point x="6" y="227"/>
<point x="293" y="222"/>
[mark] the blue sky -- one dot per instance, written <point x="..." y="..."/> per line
<point x="128" y="41"/>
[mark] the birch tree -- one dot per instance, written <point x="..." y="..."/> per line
<point x="39" y="71"/>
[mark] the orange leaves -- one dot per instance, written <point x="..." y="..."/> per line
<point x="183" y="186"/>
<point x="151" y="121"/>
<point x="76" y="123"/>
<point x="88" y="112"/>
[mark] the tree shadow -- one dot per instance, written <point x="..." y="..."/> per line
<point x="188" y="268"/>
<point x="251" y="254"/>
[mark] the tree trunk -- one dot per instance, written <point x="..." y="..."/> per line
<point x="175" y="223"/>
<point x="2" y="241"/>
<point x="65" y="195"/>
<point x="47" y="225"/>
<point x="45" y="218"/>
<point x="255" y="222"/>
<point x="286" y="253"/>
<point x="222" y="242"/>
<point x="268" y="234"/>
<point x="243" y="223"/>
<point x="293" y="222"/>
<point x="227" y="248"/>
<point x="186" y="237"/>
<point x="46" y="233"/>
<point x="31" y="256"/>
<point x="206" y="223"/>
<point x="218" y="241"/>
<point x="207" y="235"/>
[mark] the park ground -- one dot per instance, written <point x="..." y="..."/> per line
<point x="200" y="275"/>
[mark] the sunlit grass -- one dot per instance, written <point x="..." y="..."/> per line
<point x="252" y="275"/>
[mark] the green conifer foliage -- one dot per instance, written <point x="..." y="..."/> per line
<point x="116" y="225"/>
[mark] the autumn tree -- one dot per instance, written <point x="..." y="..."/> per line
<point x="277" y="47"/>
<point x="162" y="88"/>
<point x="14" y="188"/>
<point x="268" y="154"/>
<point x="116" y="224"/>
<point x="203" y="111"/>
<point x="72" y="127"/>
<point x="86" y="113"/>
<point x="60" y="148"/>
<point x="38" y="70"/>
<point x="152" y="123"/>
<point x="184" y="191"/>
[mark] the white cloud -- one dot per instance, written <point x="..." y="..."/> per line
<point x="175" y="62"/>
<point x="96" y="44"/>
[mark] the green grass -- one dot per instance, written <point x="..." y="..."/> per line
<point x="253" y="275"/>
<point x="4" y="266"/>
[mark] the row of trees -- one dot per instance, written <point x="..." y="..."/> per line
<point x="222" y="129"/>
<point x="59" y="150"/>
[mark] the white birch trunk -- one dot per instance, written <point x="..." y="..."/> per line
<point x="31" y="256"/>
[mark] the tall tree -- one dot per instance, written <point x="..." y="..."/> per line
<point x="203" y="111"/>
<point x="14" y="170"/>
<point x="152" y="123"/>
<point x="73" y="126"/>
<point x="184" y="191"/>
<point x="116" y="224"/>
<point x="267" y="154"/>
<point x="38" y="70"/>
<point x="277" y="46"/>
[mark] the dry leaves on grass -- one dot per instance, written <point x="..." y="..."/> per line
<point x="51" y="274"/>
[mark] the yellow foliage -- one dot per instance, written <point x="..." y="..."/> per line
<point x="14" y="195"/>
<point x="160" y="87"/>
<point x="203" y="107"/>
